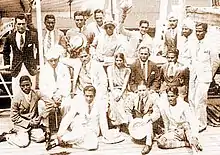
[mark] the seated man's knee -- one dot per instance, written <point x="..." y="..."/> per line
<point x="162" y="143"/>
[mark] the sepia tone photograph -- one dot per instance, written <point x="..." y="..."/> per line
<point x="103" y="77"/>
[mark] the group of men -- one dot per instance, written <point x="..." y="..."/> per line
<point x="74" y="81"/>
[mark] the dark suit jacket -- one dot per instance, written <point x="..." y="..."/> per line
<point x="137" y="75"/>
<point x="170" y="42"/>
<point x="26" y="56"/>
<point x="22" y="111"/>
<point x="181" y="77"/>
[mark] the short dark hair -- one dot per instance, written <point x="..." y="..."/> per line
<point x="204" y="25"/>
<point x="98" y="11"/>
<point x="173" y="89"/>
<point x="21" y="16"/>
<point x="78" y="13"/>
<point x="89" y="88"/>
<point x="24" y="78"/>
<point x="49" y="16"/>
<point x="173" y="50"/>
<point x="145" y="47"/>
<point x="143" y="21"/>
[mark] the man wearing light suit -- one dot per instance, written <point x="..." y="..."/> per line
<point x="141" y="105"/>
<point x="51" y="36"/>
<point x="23" y="44"/>
<point x="87" y="72"/>
<point x="200" y="75"/>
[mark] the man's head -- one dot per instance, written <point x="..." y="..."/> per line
<point x="144" y="53"/>
<point x="109" y="27"/>
<point x="21" y="23"/>
<point x="79" y="19"/>
<point x="172" y="21"/>
<point x="25" y="84"/>
<point x="49" y="22"/>
<point x="142" y="89"/>
<point x="143" y="26"/>
<point x="201" y="30"/>
<point x="89" y="93"/>
<point x="98" y="15"/>
<point x="84" y="56"/>
<point x="53" y="56"/>
<point x="172" y="94"/>
<point x="172" y="55"/>
<point x="187" y="27"/>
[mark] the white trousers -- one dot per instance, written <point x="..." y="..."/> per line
<point x="15" y="80"/>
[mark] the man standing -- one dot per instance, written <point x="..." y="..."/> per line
<point x="141" y="105"/>
<point x="137" y="39"/>
<point x="23" y="44"/>
<point x="85" y="120"/>
<point x="179" y="123"/>
<point x="144" y="69"/>
<point x="200" y="75"/>
<point x="171" y="34"/>
<point x="51" y="36"/>
<point x="24" y="115"/>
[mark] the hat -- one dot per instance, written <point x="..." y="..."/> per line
<point x="172" y="16"/>
<point x="54" y="52"/>
<point x="112" y="136"/>
<point x="78" y="41"/>
<point x="189" y="24"/>
<point x="109" y="21"/>
<point x="137" y="128"/>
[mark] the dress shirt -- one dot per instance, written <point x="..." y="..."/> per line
<point x="18" y="39"/>
<point x="46" y="39"/>
<point x="144" y="66"/>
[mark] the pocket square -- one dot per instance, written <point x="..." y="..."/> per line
<point x="29" y="45"/>
<point x="153" y="72"/>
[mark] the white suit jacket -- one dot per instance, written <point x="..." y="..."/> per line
<point x="47" y="83"/>
<point x="78" y="117"/>
<point x="201" y="64"/>
<point x="98" y="75"/>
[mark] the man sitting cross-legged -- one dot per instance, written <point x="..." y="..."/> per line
<point x="141" y="105"/>
<point x="81" y="125"/>
<point x="179" y="122"/>
<point x="24" y="115"/>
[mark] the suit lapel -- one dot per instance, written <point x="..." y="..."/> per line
<point x="139" y="69"/>
<point x="14" y="40"/>
<point x="33" y="101"/>
<point x="25" y="103"/>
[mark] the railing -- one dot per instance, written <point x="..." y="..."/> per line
<point x="6" y="27"/>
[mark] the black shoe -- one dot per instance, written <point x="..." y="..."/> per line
<point x="201" y="130"/>
<point x="2" y="137"/>
<point x="50" y="145"/>
<point x="146" y="149"/>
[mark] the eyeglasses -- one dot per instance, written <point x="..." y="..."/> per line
<point x="109" y="27"/>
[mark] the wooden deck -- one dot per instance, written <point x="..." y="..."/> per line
<point x="210" y="140"/>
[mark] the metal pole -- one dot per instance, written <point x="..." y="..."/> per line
<point x="39" y="30"/>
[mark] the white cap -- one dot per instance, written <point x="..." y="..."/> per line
<point x="189" y="24"/>
<point x="54" y="52"/>
<point x="172" y="16"/>
<point x="109" y="20"/>
<point x="78" y="41"/>
<point x="137" y="128"/>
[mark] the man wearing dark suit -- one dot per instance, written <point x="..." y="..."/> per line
<point x="23" y="44"/>
<point x="144" y="69"/>
<point x="24" y="115"/>
<point x="175" y="74"/>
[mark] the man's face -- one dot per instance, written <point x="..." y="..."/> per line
<point x="89" y="96"/>
<point x="200" y="32"/>
<point x="80" y="21"/>
<point x="186" y="31"/>
<point x="172" y="98"/>
<point x="144" y="54"/>
<point x="142" y="91"/>
<point x="171" y="58"/>
<point x="84" y="57"/>
<point x="53" y="62"/>
<point x="50" y="24"/>
<point x="26" y="86"/>
<point x="109" y="29"/>
<point x="173" y="23"/>
<point x="119" y="62"/>
<point x="144" y="28"/>
<point x="21" y="25"/>
<point x="99" y="18"/>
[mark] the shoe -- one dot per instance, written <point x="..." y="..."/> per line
<point x="50" y="145"/>
<point x="202" y="129"/>
<point x="2" y="137"/>
<point x="146" y="149"/>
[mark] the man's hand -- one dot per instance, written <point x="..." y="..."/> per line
<point x="196" y="145"/>
<point x="35" y="122"/>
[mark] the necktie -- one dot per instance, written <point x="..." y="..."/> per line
<point x="90" y="108"/>
<point x="144" y="70"/>
<point x="197" y="49"/>
<point x="55" y="74"/>
<point x="170" y="71"/>
<point x="21" y="42"/>
<point x="49" y="40"/>
<point x="142" y="106"/>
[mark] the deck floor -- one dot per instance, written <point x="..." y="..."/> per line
<point x="210" y="140"/>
